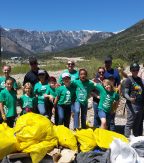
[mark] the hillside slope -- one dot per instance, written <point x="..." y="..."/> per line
<point x="128" y="44"/>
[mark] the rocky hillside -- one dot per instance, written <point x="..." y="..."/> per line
<point x="127" y="45"/>
<point x="38" y="41"/>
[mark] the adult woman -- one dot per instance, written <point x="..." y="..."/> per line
<point x="74" y="74"/>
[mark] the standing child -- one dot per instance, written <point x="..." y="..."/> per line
<point x="40" y="90"/>
<point x="50" y="102"/>
<point x="27" y="100"/>
<point x="107" y="97"/>
<point x="8" y="101"/>
<point x="83" y="90"/>
<point x="64" y="99"/>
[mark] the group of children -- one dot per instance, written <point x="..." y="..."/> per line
<point x="49" y="97"/>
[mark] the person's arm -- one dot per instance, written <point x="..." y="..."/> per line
<point x="118" y="79"/>
<point x="126" y="95"/>
<point x="56" y="101"/>
<point x="20" y="102"/>
<point x="2" y="111"/>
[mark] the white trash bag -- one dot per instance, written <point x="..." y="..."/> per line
<point x="122" y="152"/>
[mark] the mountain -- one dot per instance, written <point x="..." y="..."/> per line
<point x="36" y="41"/>
<point x="127" y="44"/>
<point x="12" y="48"/>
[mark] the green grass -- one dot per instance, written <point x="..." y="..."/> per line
<point x="90" y="65"/>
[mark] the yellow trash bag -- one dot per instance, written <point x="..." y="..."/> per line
<point x="66" y="137"/>
<point x="86" y="139"/>
<point x="35" y="135"/>
<point x="38" y="151"/>
<point x="104" y="137"/>
<point x="32" y="126"/>
<point x="8" y="141"/>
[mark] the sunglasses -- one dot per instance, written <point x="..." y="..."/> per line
<point x="33" y="63"/>
<point x="134" y="70"/>
<point x="41" y="74"/>
<point x="101" y="72"/>
<point x="70" y="64"/>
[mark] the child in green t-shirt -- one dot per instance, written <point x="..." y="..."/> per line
<point x="8" y="101"/>
<point x="107" y="97"/>
<point x="83" y="90"/>
<point x="51" y="91"/>
<point x="40" y="90"/>
<point x="6" y="70"/>
<point x="27" y="100"/>
<point x="64" y="99"/>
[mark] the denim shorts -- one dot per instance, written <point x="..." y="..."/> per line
<point x="102" y="114"/>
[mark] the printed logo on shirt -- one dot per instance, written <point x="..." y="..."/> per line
<point x="68" y="98"/>
<point x="5" y="110"/>
<point x="107" y="101"/>
<point x="82" y="94"/>
<point x="43" y="88"/>
<point x="3" y="84"/>
<point x="27" y="103"/>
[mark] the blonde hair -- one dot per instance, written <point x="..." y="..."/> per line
<point x="28" y="84"/>
<point x="108" y="82"/>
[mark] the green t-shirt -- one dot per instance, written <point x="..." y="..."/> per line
<point x="51" y="91"/>
<point x="83" y="90"/>
<point x="2" y="83"/>
<point x="106" y="98"/>
<point x="40" y="90"/>
<point x="9" y="99"/>
<point x="65" y="94"/>
<point x="28" y="101"/>
<point x="74" y="76"/>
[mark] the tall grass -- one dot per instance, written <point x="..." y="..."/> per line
<point x="90" y="65"/>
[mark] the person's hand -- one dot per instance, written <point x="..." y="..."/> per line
<point x="132" y="99"/>
<point x="57" y="85"/>
<point x="46" y="96"/>
<point x="4" y="117"/>
<point x="51" y="98"/>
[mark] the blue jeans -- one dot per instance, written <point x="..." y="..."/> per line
<point x="77" y="107"/>
<point x="96" y="117"/>
<point x="42" y="109"/>
<point x="64" y="113"/>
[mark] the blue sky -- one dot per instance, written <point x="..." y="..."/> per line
<point x="50" y="15"/>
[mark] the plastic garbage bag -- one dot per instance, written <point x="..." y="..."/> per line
<point x="122" y="152"/>
<point x="8" y="142"/>
<point x="65" y="137"/>
<point x="104" y="137"/>
<point x="35" y="135"/>
<point x="86" y="139"/>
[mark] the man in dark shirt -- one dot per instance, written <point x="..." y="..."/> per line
<point x="32" y="75"/>
<point x="110" y="71"/>
<point x="134" y="94"/>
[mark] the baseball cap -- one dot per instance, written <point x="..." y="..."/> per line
<point x="134" y="66"/>
<point x="65" y="74"/>
<point x="41" y="72"/>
